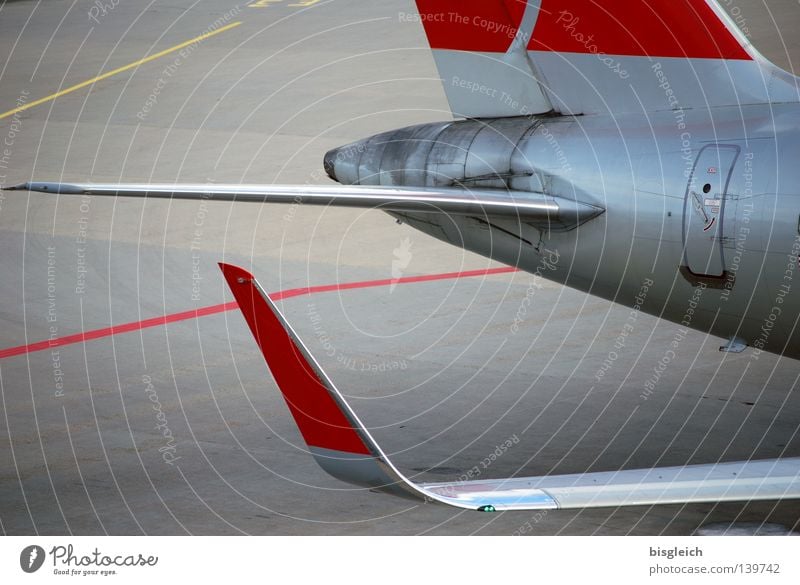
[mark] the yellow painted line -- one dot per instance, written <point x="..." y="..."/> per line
<point x="118" y="70"/>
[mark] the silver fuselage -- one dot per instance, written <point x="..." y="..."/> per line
<point x="701" y="223"/>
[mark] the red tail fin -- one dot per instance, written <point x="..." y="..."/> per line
<point x="511" y="57"/>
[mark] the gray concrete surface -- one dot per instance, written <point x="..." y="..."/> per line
<point x="433" y="368"/>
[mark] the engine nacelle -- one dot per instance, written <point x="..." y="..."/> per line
<point x="468" y="153"/>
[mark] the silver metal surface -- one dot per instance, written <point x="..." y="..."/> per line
<point x="704" y="209"/>
<point x="746" y="480"/>
<point x="536" y="208"/>
<point x="564" y="171"/>
<point x="718" y="268"/>
<point x="242" y="466"/>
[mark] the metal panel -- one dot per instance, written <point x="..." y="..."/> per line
<point x="533" y="207"/>
<point x="704" y="209"/>
<point x="405" y="157"/>
<point x="604" y="84"/>
<point x="490" y="85"/>
<point x="490" y="153"/>
<point x="448" y="157"/>
<point x="363" y="462"/>
<point x="369" y="167"/>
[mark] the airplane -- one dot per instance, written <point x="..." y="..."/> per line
<point x="645" y="155"/>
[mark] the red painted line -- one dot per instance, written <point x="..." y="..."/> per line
<point x="115" y="329"/>
<point x="221" y="308"/>
<point x="296" y="292"/>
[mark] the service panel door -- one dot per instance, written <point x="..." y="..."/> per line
<point x="704" y="209"/>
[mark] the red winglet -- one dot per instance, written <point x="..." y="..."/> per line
<point x="320" y="419"/>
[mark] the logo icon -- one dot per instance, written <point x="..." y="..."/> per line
<point x="31" y="558"/>
<point x="402" y="258"/>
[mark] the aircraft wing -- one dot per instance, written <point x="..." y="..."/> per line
<point x="537" y="209"/>
<point x="343" y="447"/>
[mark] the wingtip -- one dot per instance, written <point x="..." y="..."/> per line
<point x="235" y="274"/>
<point x="338" y="441"/>
<point x="307" y="390"/>
<point x="50" y="187"/>
<point x="335" y="437"/>
<point x="17" y="187"/>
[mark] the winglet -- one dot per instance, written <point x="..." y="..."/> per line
<point x="338" y="440"/>
<point x="335" y="437"/>
<point x="342" y="446"/>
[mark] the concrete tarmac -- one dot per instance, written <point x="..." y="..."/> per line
<point x="179" y="428"/>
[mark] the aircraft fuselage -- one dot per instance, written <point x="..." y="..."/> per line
<point x="702" y="214"/>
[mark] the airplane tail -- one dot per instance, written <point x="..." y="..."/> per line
<point x="343" y="447"/>
<point x="500" y="58"/>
